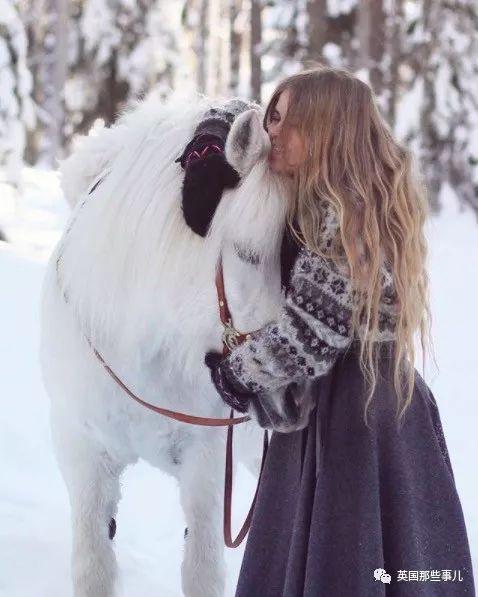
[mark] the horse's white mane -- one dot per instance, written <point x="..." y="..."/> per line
<point x="128" y="259"/>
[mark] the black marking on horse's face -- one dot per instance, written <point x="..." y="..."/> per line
<point x="247" y="255"/>
<point x="203" y="185"/>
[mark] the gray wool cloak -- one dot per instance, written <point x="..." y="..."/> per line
<point x="339" y="500"/>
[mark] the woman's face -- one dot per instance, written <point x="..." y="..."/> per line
<point x="286" y="154"/>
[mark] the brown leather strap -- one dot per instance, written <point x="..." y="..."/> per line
<point x="231" y="338"/>
<point x="171" y="414"/>
<point x="225" y="314"/>
<point x="228" y="540"/>
<point x="226" y="320"/>
<point x="178" y="416"/>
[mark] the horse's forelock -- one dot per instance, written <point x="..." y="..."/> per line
<point x="253" y="214"/>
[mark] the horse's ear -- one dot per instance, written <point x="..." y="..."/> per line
<point x="247" y="141"/>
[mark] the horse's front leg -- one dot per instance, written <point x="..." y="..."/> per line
<point x="92" y="480"/>
<point x="201" y="490"/>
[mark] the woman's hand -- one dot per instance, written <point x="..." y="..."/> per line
<point x="236" y="399"/>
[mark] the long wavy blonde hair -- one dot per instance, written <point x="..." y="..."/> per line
<point x="353" y="160"/>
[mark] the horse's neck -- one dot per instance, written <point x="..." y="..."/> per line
<point x="253" y="291"/>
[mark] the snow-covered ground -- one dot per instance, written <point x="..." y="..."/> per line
<point x="34" y="511"/>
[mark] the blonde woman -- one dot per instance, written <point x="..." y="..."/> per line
<point x="357" y="496"/>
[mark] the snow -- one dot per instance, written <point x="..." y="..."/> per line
<point x="35" y="530"/>
<point x="16" y="106"/>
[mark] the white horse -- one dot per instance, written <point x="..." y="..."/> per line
<point x="131" y="278"/>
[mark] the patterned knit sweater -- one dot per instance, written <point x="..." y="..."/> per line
<point x="314" y="326"/>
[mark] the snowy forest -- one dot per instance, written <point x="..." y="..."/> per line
<point x="70" y="67"/>
<point x="65" y="65"/>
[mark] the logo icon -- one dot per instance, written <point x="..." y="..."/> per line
<point x="380" y="574"/>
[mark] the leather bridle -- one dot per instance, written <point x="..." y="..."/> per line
<point x="230" y="338"/>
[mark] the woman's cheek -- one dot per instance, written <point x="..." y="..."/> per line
<point x="292" y="158"/>
<point x="295" y="155"/>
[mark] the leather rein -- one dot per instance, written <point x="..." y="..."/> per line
<point x="230" y="338"/>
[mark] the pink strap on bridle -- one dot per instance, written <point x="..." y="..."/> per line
<point x="196" y="155"/>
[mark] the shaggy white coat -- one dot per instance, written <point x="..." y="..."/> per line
<point x="131" y="276"/>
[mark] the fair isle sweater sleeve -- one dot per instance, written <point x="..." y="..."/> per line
<point x="313" y="328"/>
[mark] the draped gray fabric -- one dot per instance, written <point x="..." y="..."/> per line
<point x="339" y="500"/>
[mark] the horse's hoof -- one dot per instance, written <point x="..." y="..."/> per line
<point x="186" y="532"/>
<point x="112" y="528"/>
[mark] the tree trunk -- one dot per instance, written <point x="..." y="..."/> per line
<point x="430" y="143"/>
<point x="255" y="50"/>
<point x="396" y="20"/>
<point x="371" y="35"/>
<point x="317" y="20"/>
<point x="52" y="78"/>
<point x="235" y="43"/>
<point x="201" y="46"/>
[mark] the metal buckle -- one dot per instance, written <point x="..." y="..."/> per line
<point x="230" y="335"/>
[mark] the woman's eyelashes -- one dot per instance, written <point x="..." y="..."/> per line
<point x="275" y="116"/>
